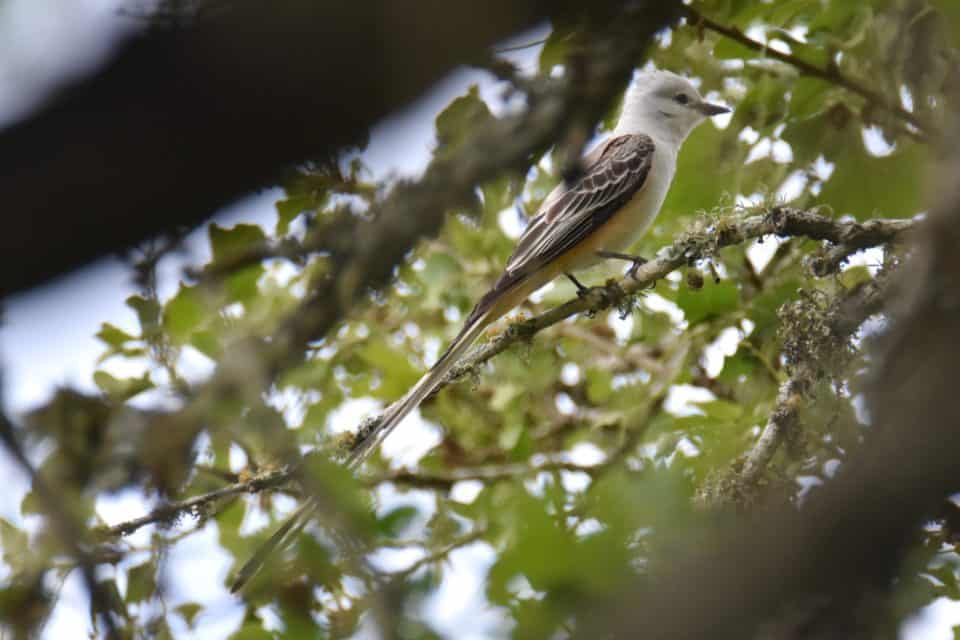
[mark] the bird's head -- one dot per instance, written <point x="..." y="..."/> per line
<point x="660" y="102"/>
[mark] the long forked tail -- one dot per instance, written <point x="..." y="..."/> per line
<point x="391" y="418"/>
<point x="432" y="379"/>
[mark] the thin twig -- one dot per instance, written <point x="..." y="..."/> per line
<point x="830" y="73"/>
<point x="438" y="555"/>
<point x="173" y="510"/>
<point x="492" y="473"/>
<point x="520" y="47"/>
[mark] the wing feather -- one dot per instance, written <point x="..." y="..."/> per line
<point x="614" y="176"/>
<point x="614" y="173"/>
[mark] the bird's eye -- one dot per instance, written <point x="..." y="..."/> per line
<point x="681" y="98"/>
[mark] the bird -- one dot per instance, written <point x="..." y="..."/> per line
<point x="595" y="216"/>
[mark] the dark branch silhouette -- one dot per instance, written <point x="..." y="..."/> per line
<point x="182" y="121"/>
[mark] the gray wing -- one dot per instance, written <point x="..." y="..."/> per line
<point x="614" y="172"/>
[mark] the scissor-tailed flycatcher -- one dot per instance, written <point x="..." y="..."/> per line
<point x="606" y="209"/>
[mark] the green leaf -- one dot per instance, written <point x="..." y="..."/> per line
<point x="148" y="313"/>
<point x="440" y="274"/>
<point x="315" y="417"/>
<point x="396" y="371"/>
<point x="252" y="631"/>
<point x="141" y="582"/>
<point x="293" y="205"/>
<point x="693" y="188"/>
<point x="843" y="25"/>
<point x="950" y="10"/>
<point x="14" y="542"/>
<point x="740" y="367"/>
<point x="184" y="314"/>
<point x="113" y="336"/>
<point x="499" y="194"/>
<point x="810" y="97"/>
<point x="763" y="106"/>
<point x="712" y="300"/>
<point x="243" y="286"/>
<point x="783" y="12"/>
<point x="237" y="240"/>
<point x="189" y="611"/>
<point x="392" y="524"/>
<point x="338" y="484"/>
<point x="599" y="386"/>
<point x="721" y="410"/>
<point x="866" y="186"/>
<point x="122" y="389"/>
<point x="728" y="48"/>
<point x="116" y="340"/>
<point x="555" y="49"/>
<point x="316" y="561"/>
<point x="464" y="115"/>
<point x="764" y="307"/>
<point x="207" y="343"/>
<point x="30" y="505"/>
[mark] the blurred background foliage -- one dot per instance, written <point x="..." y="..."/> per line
<point x="603" y="440"/>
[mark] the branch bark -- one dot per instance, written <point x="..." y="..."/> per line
<point x="846" y="542"/>
<point x="700" y="242"/>
<point x="695" y="244"/>
<point x="182" y="121"/>
<point x="843" y="317"/>
<point x="171" y="511"/>
<point x="923" y="130"/>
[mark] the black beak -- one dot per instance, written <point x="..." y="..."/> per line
<point x="708" y="109"/>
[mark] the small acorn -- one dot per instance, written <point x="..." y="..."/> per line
<point x="694" y="279"/>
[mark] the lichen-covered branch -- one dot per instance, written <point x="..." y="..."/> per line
<point x="703" y="240"/>
<point x="198" y="505"/>
<point x="844" y="548"/>
<point x="840" y="320"/>
<point x="830" y="73"/>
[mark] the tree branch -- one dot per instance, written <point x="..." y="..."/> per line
<point x="848" y="539"/>
<point x="183" y="120"/>
<point x="842" y="318"/>
<point x="445" y="480"/>
<point x="197" y="505"/>
<point x="830" y="74"/>
<point x="439" y="555"/>
<point x="701" y="241"/>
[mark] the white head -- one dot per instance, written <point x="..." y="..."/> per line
<point x="665" y="106"/>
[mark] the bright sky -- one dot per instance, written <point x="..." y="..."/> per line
<point x="47" y="337"/>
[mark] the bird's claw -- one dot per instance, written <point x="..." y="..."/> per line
<point x="581" y="289"/>
<point x="636" y="261"/>
<point x="639" y="262"/>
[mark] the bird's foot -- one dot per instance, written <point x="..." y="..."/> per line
<point x="638" y="261"/>
<point x="581" y="289"/>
